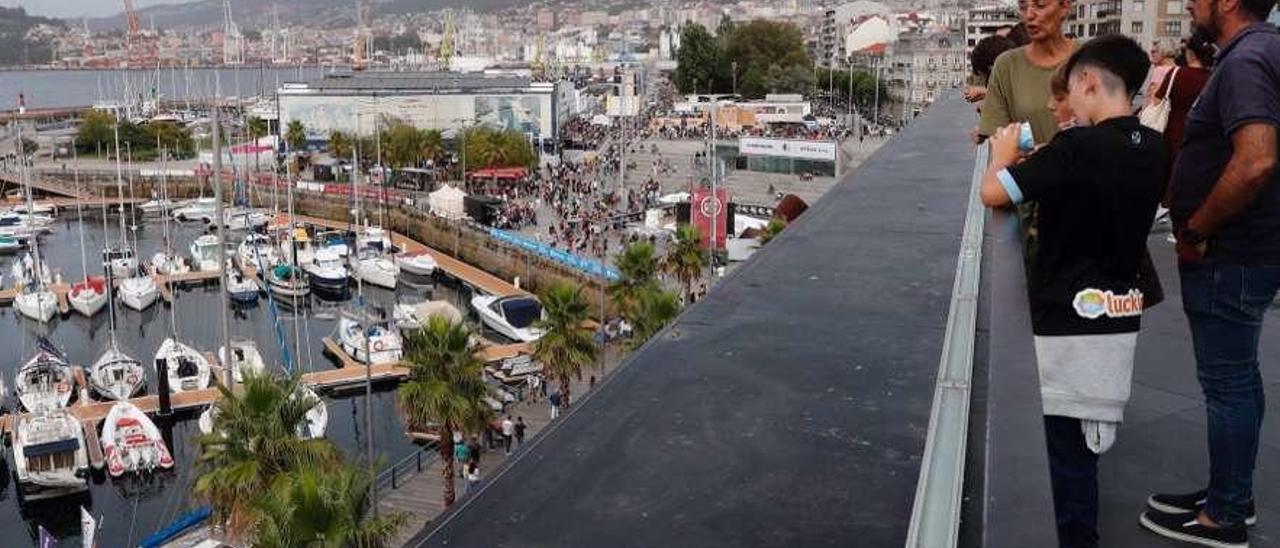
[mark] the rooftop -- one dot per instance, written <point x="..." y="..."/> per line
<point x="440" y="81"/>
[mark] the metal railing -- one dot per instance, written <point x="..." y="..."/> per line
<point x="411" y="465"/>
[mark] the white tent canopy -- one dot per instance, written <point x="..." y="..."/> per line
<point x="447" y="202"/>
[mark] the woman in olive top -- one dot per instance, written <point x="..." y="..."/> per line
<point x="1018" y="88"/>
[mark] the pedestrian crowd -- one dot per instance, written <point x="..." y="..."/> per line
<point x="1089" y="174"/>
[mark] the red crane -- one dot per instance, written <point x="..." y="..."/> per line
<point x="131" y="19"/>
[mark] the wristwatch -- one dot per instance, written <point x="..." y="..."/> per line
<point x="1191" y="237"/>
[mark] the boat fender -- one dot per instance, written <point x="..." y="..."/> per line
<point x="377" y="346"/>
<point x="132" y="378"/>
<point x="63" y="387"/>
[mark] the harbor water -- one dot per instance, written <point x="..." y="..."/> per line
<point x="82" y="88"/>
<point x="132" y="507"/>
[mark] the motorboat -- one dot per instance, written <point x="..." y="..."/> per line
<point x="15" y="217"/>
<point x="239" y="218"/>
<point x="418" y="264"/>
<point x="10" y="244"/>
<point x="245" y="359"/>
<point x="138" y="292"/>
<point x="302" y="243"/>
<point x="16" y="225"/>
<point x="200" y="209"/>
<point x="415" y="316"/>
<point x="257" y="251"/>
<point x="50" y="458"/>
<point x="44" y="382"/>
<point x="204" y="253"/>
<point x="166" y="263"/>
<point x="36" y="303"/>
<point x="131" y="442"/>
<point x="156" y="205"/>
<point x="116" y="375"/>
<point x="334" y="240"/>
<point x="513" y="316"/>
<point x="121" y="261"/>
<point x="89" y="296"/>
<point x="187" y="369"/>
<point x="384" y="344"/>
<point x="375" y="237"/>
<point x="240" y="288"/>
<point x="327" y="271"/>
<point x="44" y="210"/>
<point x="285" y="282"/>
<point x="316" y="419"/>
<point x="375" y="268"/>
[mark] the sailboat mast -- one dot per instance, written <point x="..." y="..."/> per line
<point x="222" y="245"/>
<point x="119" y="178"/>
<point x="36" y="267"/>
<point x="75" y="174"/>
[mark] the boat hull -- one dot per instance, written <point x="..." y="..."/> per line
<point x="39" y="305"/>
<point x="139" y="293"/>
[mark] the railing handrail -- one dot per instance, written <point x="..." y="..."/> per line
<point x="390" y="474"/>
<point x="935" y="515"/>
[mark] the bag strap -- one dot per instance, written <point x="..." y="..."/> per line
<point x="1168" y="88"/>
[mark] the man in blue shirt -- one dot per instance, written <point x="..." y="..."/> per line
<point x="1225" y="204"/>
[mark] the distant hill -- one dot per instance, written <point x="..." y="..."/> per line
<point x="248" y="14"/>
<point x="14" y="48"/>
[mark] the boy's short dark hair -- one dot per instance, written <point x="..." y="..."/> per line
<point x="985" y="52"/>
<point x="1116" y="55"/>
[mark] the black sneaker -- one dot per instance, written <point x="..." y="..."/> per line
<point x="1184" y="527"/>
<point x="1191" y="502"/>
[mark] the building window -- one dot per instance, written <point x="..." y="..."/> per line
<point x="1135" y="27"/>
<point x="1172" y="28"/>
<point x="1139" y="7"/>
<point x="1173" y="7"/>
<point x="1093" y="29"/>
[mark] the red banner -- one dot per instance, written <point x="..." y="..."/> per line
<point x="706" y="207"/>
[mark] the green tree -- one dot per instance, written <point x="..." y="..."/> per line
<point x="772" y="230"/>
<point x="445" y="389"/>
<point x="321" y="508"/>
<point x="256" y="128"/>
<point x="432" y="144"/>
<point x="339" y="145"/>
<point x="402" y="144"/>
<point x="638" y="270"/>
<point x="698" y="61"/>
<point x="488" y="147"/>
<point x="254" y="442"/>
<point x="654" y="310"/>
<point x="96" y="131"/>
<point x="761" y="44"/>
<point x="169" y="135"/>
<point x="295" y="135"/>
<point x="686" y="257"/>
<point x="566" y="346"/>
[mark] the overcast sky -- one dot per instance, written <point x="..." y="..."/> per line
<point x="77" y="8"/>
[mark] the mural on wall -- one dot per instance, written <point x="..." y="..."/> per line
<point x="529" y="114"/>
<point x="514" y="112"/>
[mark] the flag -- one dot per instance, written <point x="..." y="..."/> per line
<point x="88" y="528"/>
<point x="47" y="540"/>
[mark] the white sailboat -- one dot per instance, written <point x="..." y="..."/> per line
<point x="257" y="251"/>
<point x="188" y="369"/>
<point x="166" y="261"/>
<point x="245" y="359"/>
<point x="375" y="268"/>
<point x="116" y="375"/>
<point x="89" y="296"/>
<point x="131" y="442"/>
<point x="50" y="458"/>
<point x="384" y="344"/>
<point x="35" y="301"/>
<point x="44" y="382"/>
<point x="136" y="290"/>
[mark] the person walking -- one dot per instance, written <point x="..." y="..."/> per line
<point x="554" y="399"/>
<point x="520" y="426"/>
<point x="508" y="433"/>
<point x="460" y="452"/>
<point x="1018" y="88"/>
<point x="473" y="477"/>
<point x="1225" y="208"/>
<point x="534" y="390"/>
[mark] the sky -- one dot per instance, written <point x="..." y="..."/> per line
<point x="78" y="8"/>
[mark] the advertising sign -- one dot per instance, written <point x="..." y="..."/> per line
<point x="705" y="208"/>
<point x="787" y="148"/>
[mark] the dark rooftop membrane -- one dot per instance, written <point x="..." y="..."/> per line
<point x="788" y="408"/>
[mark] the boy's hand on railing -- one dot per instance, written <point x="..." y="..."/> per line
<point x="1004" y="145"/>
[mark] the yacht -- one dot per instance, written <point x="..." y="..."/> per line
<point x="44" y="382"/>
<point x="257" y="251"/>
<point x="375" y="237"/>
<point x="138" y="292"/>
<point x="418" y="264"/>
<point x="334" y="240"/>
<point x="245" y="359"/>
<point x="204" y="253"/>
<point x="240" y="288"/>
<point x="156" y="205"/>
<point x="10" y="244"/>
<point x="385" y="344"/>
<point x="327" y="272"/>
<point x="116" y="375"/>
<point x="200" y="209"/>
<point x="513" y="316"/>
<point x="131" y="442"/>
<point x="88" y="297"/>
<point x="50" y="458"/>
<point x="187" y="369"/>
<point x="238" y="218"/>
<point x="373" y="267"/>
<point x="285" y="282"/>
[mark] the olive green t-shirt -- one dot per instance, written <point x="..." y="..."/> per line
<point x="1018" y="91"/>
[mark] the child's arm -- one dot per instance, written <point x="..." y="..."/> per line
<point x="1010" y="181"/>
<point x="1004" y="152"/>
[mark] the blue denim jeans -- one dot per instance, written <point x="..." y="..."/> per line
<point x="1073" y="473"/>
<point x="1225" y="305"/>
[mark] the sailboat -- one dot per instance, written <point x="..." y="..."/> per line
<point x="188" y="369"/>
<point x="136" y="290"/>
<point x="90" y="295"/>
<point x="35" y="301"/>
<point x="50" y="457"/>
<point x="245" y="359"/>
<point x="257" y="251"/>
<point x="116" y="376"/>
<point x="131" y="442"/>
<point x="166" y="261"/>
<point x="44" y="382"/>
<point x="373" y="263"/>
<point x="240" y="288"/>
<point x="384" y="344"/>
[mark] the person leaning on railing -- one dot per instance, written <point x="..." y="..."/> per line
<point x="1097" y="186"/>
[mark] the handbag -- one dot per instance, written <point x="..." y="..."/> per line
<point x="1155" y="114"/>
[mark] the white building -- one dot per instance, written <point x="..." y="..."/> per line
<point x="985" y="21"/>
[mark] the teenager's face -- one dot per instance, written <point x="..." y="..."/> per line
<point x="1083" y="90"/>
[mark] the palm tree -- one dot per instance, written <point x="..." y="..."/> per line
<point x="339" y="144"/>
<point x="772" y="230"/>
<point x="685" y="257"/>
<point x="254" y="441"/>
<point x="654" y="310"/>
<point x="257" y="128"/>
<point x="295" y="135"/>
<point x="432" y="143"/>
<point x="312" y="508"/>
<point x="445" y="390"/>
<point x="566" y="345"/>
<point x="638" y="270"/>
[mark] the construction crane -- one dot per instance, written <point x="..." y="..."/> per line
<point x="446" y="42"/>
<point x="131" y="19"/>
<point x="140" y="46"/>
